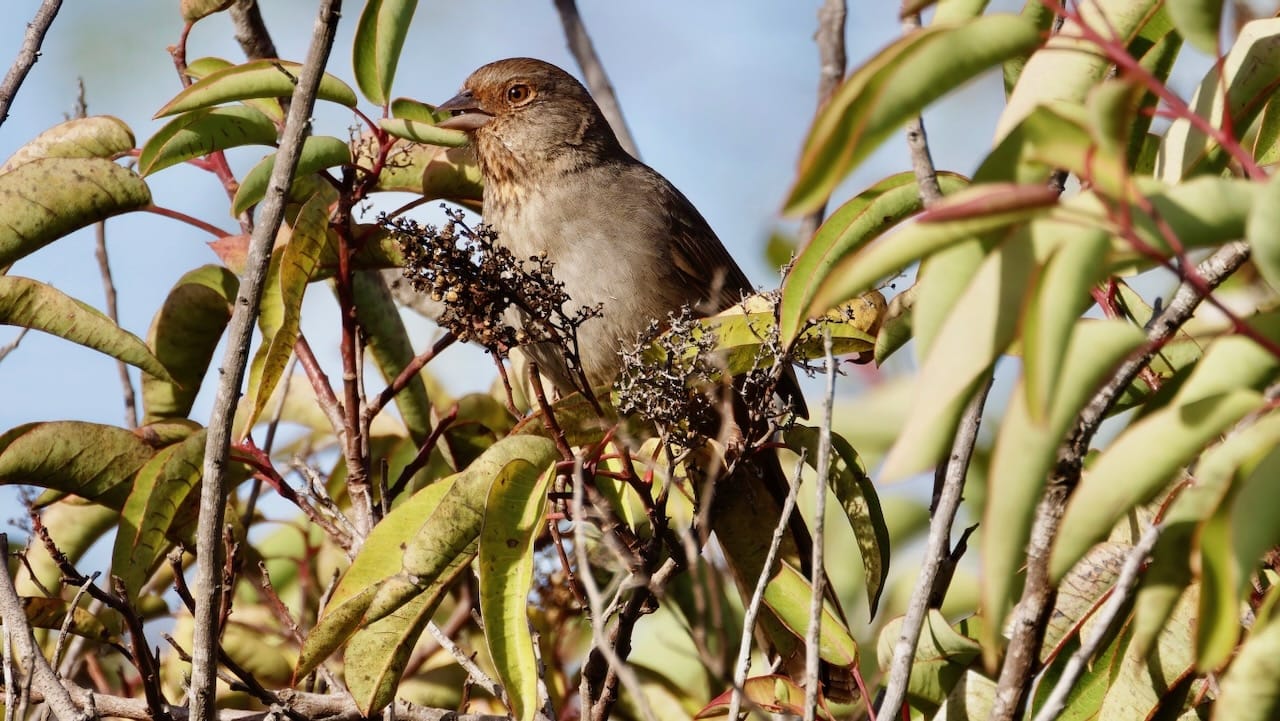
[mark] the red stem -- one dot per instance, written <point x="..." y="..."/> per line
<point x="213" y="230"/>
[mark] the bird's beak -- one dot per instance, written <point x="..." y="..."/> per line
<point x="467" y="114"/>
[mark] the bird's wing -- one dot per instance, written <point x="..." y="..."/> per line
<point x="700" y="258"/>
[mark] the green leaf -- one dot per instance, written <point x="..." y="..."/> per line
<point x="1219" y="392"/>
<point x="987" y="209"/>
<point x="1198" y="21"/>
<point x="1249" y="73"/>
<point x="417" y="111"/>
<point x="426" y="133"/>
<point x="183" y="336"/>
<point x="379" y="39"/>
<point x="788" y="594"/>
<point x="456" y="523"/>
<point x="852" y="226"/>
<point x="31" y="304"/>
<point x="1067" y="67"/>
<point x="1229" y="550"/>
<point x="1142" y="683"/>
<point x="206" y="66"/>
<point x="380" y="558"/>
<point x="852" y="487"/>
<point x="51" y="613"/>
<point x="93" y="461"/>
<point x="1026" y="449"/>
<point x="1263" y="232"/>
<point x="971" y="698"/>
<point x="161" y="497"/>
<point x="514" y="518"/>
<point x="941" y="657"/>
<point x="318" y="152"/>
<point x="255" y="79"/>
<point x="388" y="341"/>
<point x="980" y="328"/>
<point x="378" y="654"/>
<point x="894" y="86"/>
<point x="44" y="200"/>
<point x="99" y="136"/>
<point x="298" y="263"/>
<point x="1059" y="298"/>
<point x="1251" y="686"/>
<point x="201" y="132"/>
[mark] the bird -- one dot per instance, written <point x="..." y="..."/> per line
<point x="558" y="183"/>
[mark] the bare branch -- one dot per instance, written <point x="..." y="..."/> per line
<point x="812" y="637"/>
<point x="109" y="290"/>
<point x="832" y="61"/>
<point x="27" y="54"/>
<point x="918" y="140"/>
<point x="584" y="52"/>
<point x="213" y="487"/>
<point x="12" y="345"/>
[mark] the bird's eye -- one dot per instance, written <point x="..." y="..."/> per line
<point x="520" y="93"/>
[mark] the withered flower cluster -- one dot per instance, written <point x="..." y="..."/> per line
<point x="672" y="377"/>
<point x="477" y="281"/>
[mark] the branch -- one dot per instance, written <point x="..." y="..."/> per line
<point x="255" y="41"/>
<point x="832" y="61"/>
<point x="937" y="553"/>
<point x="584" y="52"/>
<point x="918" y="140"/>
<point x="812" y="636"/>
<point x="27" y="54"/>
<point x="213" y="488"/>
<point x="1038" y="594"/>
<point x="19" y="631"/>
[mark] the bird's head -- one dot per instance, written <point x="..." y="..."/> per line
<point x="528" y="108"/>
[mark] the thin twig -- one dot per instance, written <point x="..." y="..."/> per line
<point x="27" y="54"/>
<point x="813" y="635"/>
<point x="743" y="665"/>
<point x="938" y="549"/>
<point x="477" y="674"/>
<point x="1038" y="594"/>
<point x="832" y="60"/>
<point x="40" y="672"/>
<point x="575" y="34"/>
<point x="13" y="344"/>
<point x="213" y="486"/>
<point x="1075" y="665"/>
<point x="918" y="140"/>
<point x="109" y="289"/>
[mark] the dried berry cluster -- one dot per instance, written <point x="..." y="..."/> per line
<point x="670" y="377"/>
<point x="477" y="280"/>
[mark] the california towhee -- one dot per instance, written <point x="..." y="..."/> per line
<point x="556" y="181"/>
<point x="621" y="236"/>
